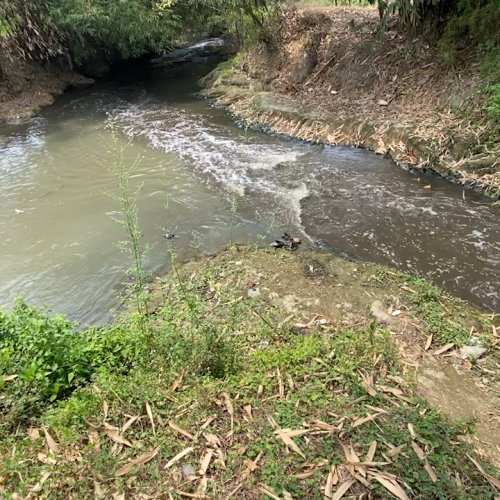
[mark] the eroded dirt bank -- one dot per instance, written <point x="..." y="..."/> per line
<point x="333" y="79"/>
<point x="26" y="87"/>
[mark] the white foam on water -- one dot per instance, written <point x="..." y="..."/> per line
<point x="228" y="161"/>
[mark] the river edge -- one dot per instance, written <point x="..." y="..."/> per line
<point x="250" y="104"/>
<point x="310" y="386"/>
<point x="27" y="87"/>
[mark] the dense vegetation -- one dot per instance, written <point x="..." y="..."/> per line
<point x="113" y="30"/>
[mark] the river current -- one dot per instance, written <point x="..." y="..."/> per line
<point x="211" y="182"/>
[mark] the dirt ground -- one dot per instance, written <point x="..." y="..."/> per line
<point x="329" y="292"/>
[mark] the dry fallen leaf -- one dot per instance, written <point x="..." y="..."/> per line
<point x="151" y="419"/>
<point x="428" y="343"/>
<point x="371" y="452"/>
<point x="290" y="443"/>
<point x="342" y="490"/>
<point x="492" y="480"/>
<point x="33" y="433"/>
<point x="420" y="453"/>
<point x="118" y="438"/>
<point x="205" y="462"/>
<point x="444" y="349"/>
<point x="53" y="446"/>
<point x="392" y="486"/>
<point x="364" y="420"/>
<point x="128" y="423"/>
<point x="38" y="486"/>
<point x="430" y="471"/>
<point x="177" y="457"/>
<point x="180" y="430"/>
<point x="141" y="459"/>
<point x="8" y="378"/>
<point x="267" y="490"/>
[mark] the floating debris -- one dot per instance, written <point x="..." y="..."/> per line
<point x="287" y="242"/>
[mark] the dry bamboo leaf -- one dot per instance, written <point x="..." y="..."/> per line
<point x="420" y="453"/>
<point x="212" y="440"/>
<point x="412" y="431"/>
<point x="189" y="495"/>
<point x="377" y="409"/>
<point x="38" y="486"/>
<point x="267" y="490"/>
<point x="208" y="421"/>
<point x="205" y="462"/>
<point x="110" y="427"/>
<point x="260" y="391"/>
<point x="353" y="454"/>
<point x="248" y="411"/>
<point x="151" y="419"/>
<point x="202" y="487"/>
<point x="444" y="349"/>
<point x="296" y="433"/>
<point x="177" y="457"/>
<point x="396" y="451"/>
<point x="342" y="490"/>
<point x="369" y="389"/>
<point x="281" y="390"/>
<point x="141" y="459"/>
<point x="290" y="443"/>
<point x="304" y="475"/>
<point x="33" y="433"/>
<point x="118" y="438"/>
<point x="176" y="383"/>
<point x="392" y="486"/>
<point x="329" y="482"/>
<point x="180" y="430"/>
<point x="53" y="446"/>
<point x="364" y="420"/>
<point x="430" y="471"/>
<point x="428" y="343"/>
<point x="8" y="378"/>
<point x="98" y="493"/>
<point x="229" y="404"/>
<point x="371" y="452"/>
<point x="105" y="409"/>
<point x="128" y="423"/>
<point x="493" y="481"/>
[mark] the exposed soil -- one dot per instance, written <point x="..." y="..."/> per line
<point x="340" y="81"/>
<point x="26" y="87"/>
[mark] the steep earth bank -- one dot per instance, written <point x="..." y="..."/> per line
<point x="26" y="87"/>
<point x="333" y="78"/>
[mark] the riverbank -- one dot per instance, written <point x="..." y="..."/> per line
<point x="331" y="78"/>
<point x="26" y="87"/>
<point x="259" y="373"/>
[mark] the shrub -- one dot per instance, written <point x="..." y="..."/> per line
<point x="50" y="359"/>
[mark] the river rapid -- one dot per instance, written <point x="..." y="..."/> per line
<point x="211" y="183"/>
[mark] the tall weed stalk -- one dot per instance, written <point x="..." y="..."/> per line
<point x="129" y="221"/>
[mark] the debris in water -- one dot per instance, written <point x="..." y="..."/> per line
<point x="168" y="235"/>
<point x="287" y="242"/>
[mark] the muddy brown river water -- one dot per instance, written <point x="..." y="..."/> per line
<point x="211" y="182"/>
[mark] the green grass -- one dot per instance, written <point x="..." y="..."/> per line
<point x="231" y="373"/>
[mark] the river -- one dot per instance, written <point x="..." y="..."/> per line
<point x="211" y="182"/>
